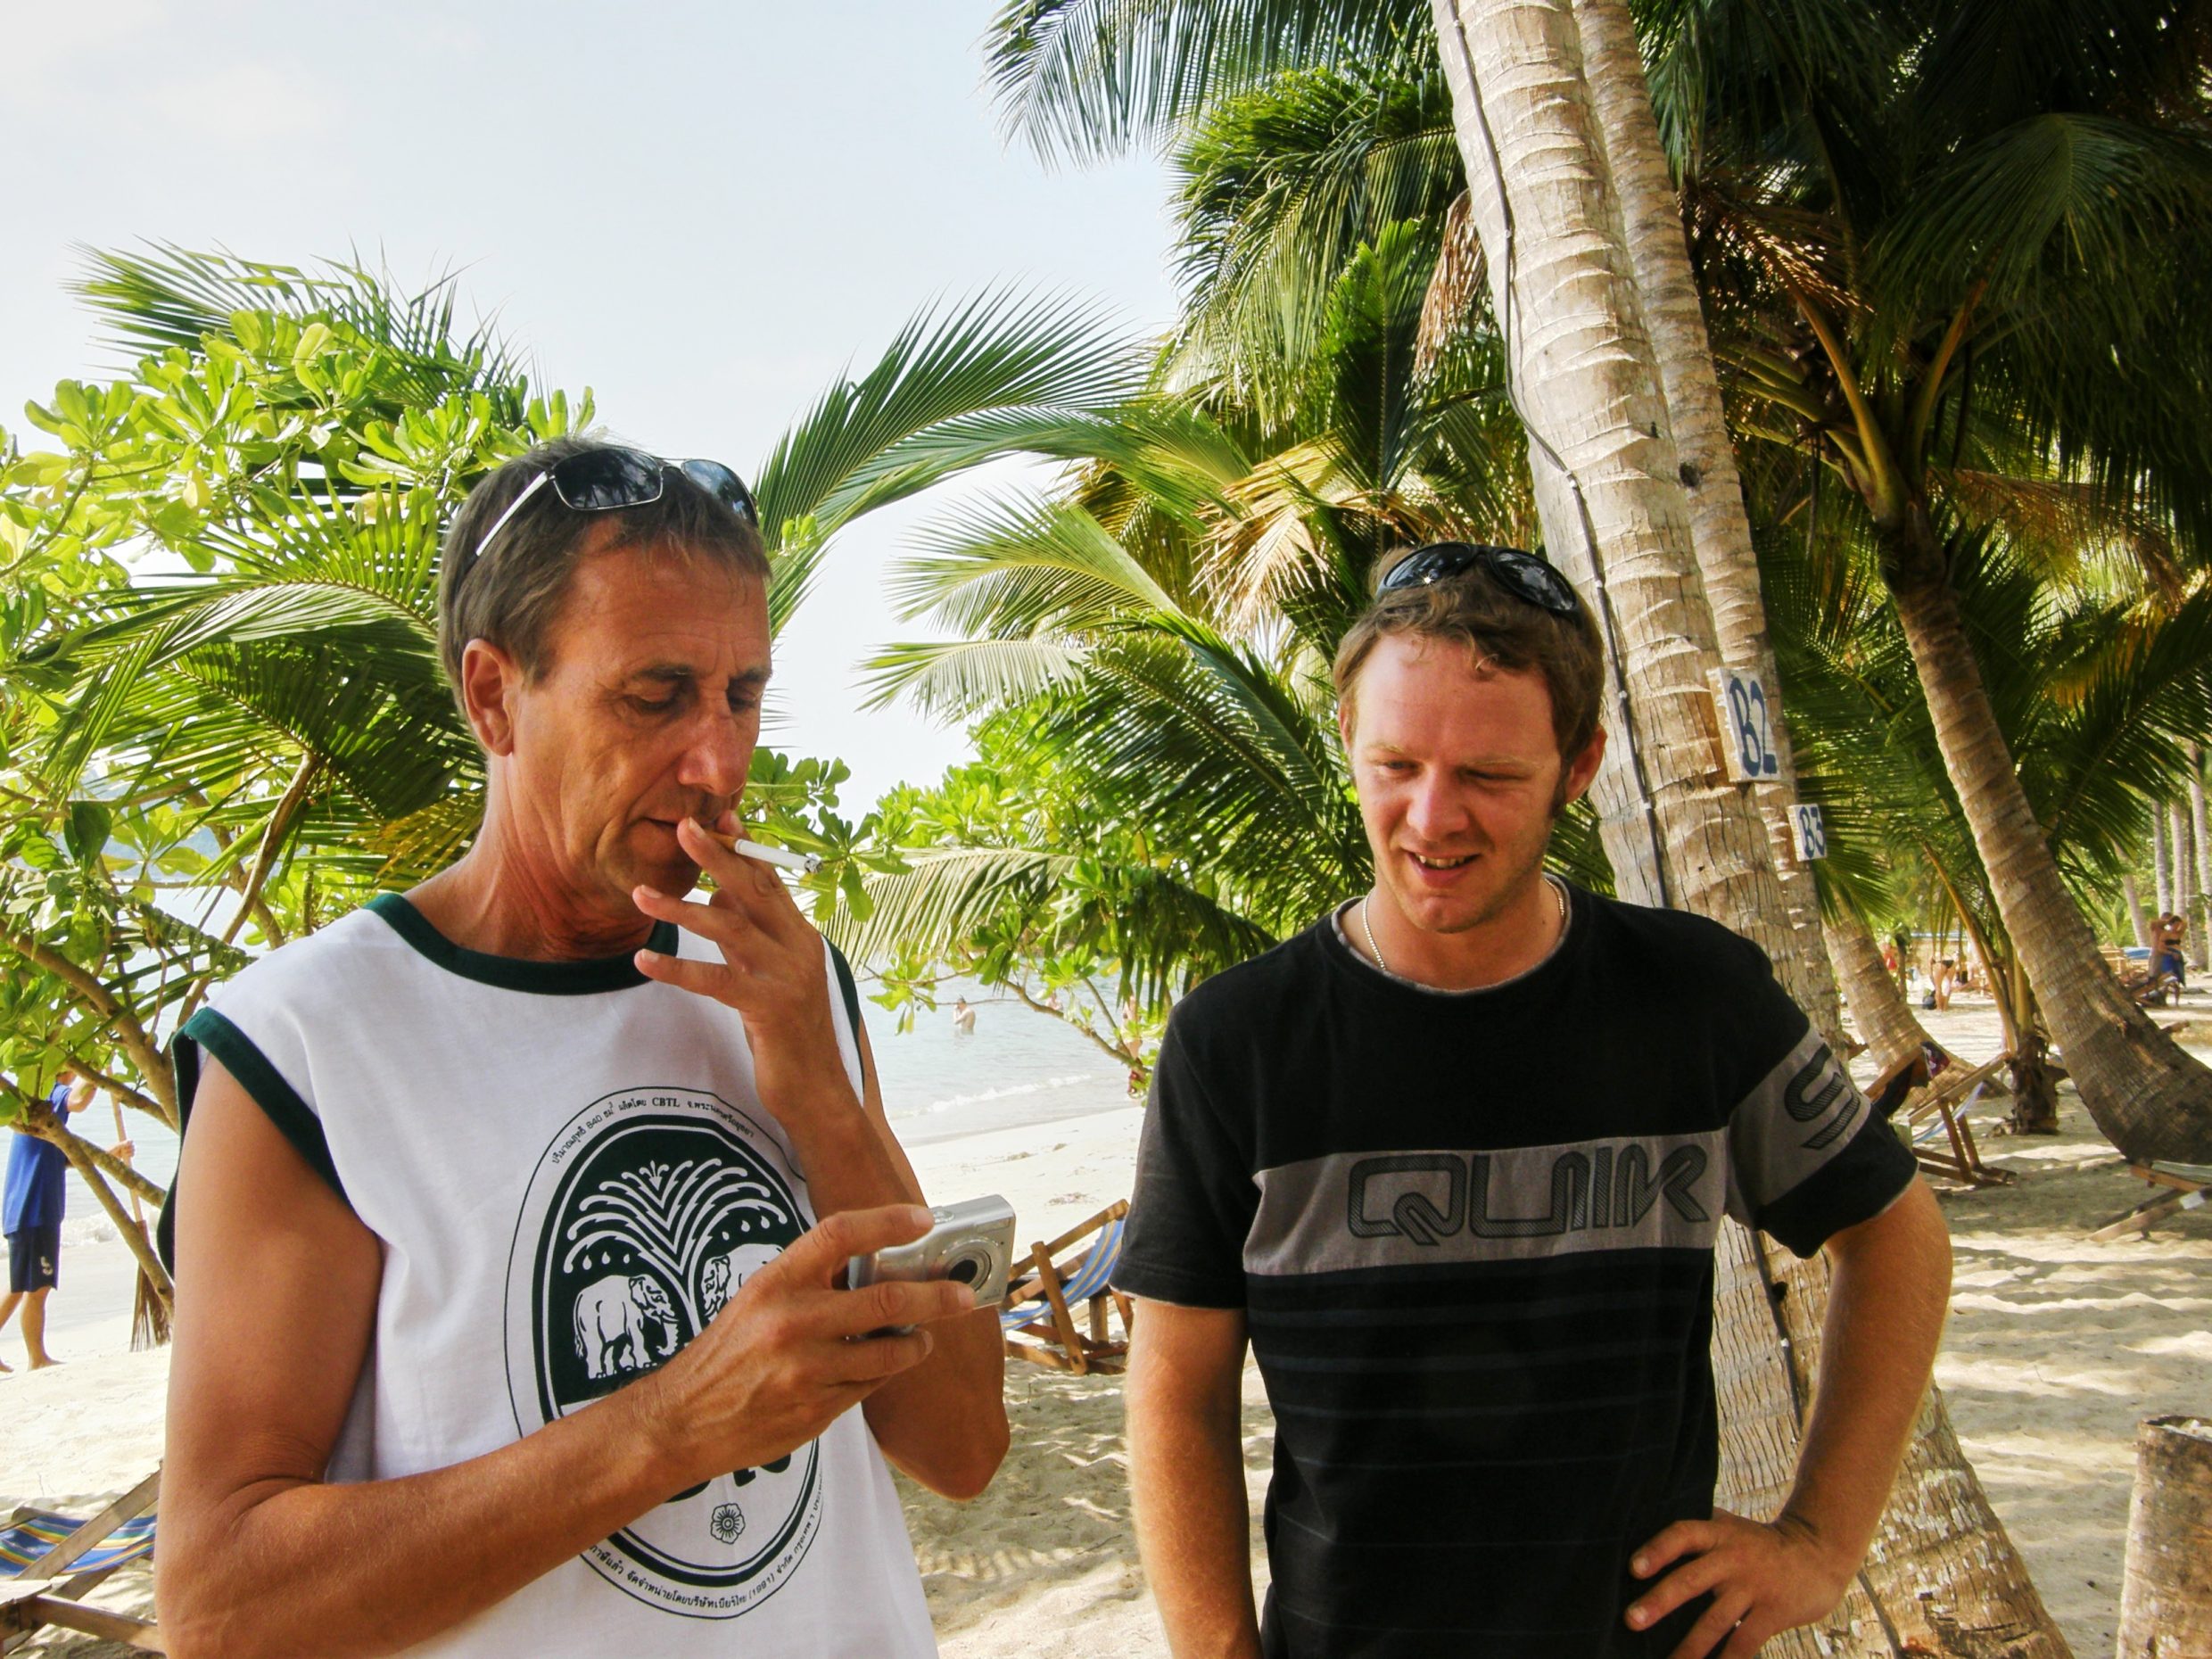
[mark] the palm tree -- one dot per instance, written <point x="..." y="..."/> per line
<point x="2098" y="686"/>
<point x="1157" y="638"/>
<point x="299" y="673"/>
<point x="1727" y="563"/>
<point x="1969" y="285"/>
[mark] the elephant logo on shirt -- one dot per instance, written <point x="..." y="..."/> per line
<point x="648" y="1212"/>
<point x="611" y="1316"/>
<point x="726" y="1274"/>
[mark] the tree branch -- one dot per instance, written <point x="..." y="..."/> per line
<point x="129" y="1033"/>
<point x="1073" y="1024"/>
<point x="40" y="1119"/>
<point x="121" y="1090"/>
<point x="77" y="1152"/>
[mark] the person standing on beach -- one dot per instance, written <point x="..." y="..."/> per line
<point x="2169" y="934"/>
<point x="33" y="1204"/>
<point x="512" y="1214"/>
<point x="1453" y="1163"/>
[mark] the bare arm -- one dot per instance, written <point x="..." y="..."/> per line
<point x="945" y="1423"/>
<point x="1886" y="1311"/>
<point x="276" y="1291"/>
<point x="1187" y="1474"/>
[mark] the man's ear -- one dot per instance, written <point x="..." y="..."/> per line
<point x="1582" y="768"/>
<point x="1344" y="722"/>
<point x="490" y="680"/>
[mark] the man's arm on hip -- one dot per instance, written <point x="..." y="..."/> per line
<point x="1187" y="1474"/>
<point x="1886" y="1303"/>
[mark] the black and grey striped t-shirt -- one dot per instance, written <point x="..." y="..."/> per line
<point x="1471" y="1235"/>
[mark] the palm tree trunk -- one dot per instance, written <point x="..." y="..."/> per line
<point x="1727" y="563"/>
<point x="1608" y="482"/>
<point x="2161" y="870"/>
<point x="2150" y="1099"/>
<point x="2132" y="892"/>
<point x="1611" y="495"/>
<point x="1891" y="1032"/>
<point x="2185" y="893"/>
<point x="2200" y="957"/>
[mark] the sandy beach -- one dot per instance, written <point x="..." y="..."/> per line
<point x="2056" y="1348"/>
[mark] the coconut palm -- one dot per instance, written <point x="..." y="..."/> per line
<point x="1160" y="633"/>
<point x="1970" y="286"/>
<point x="2099" y="692"/>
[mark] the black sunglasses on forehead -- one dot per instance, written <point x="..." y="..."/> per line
<point x="609" y="479"/>
<point x="1523" y="575"/>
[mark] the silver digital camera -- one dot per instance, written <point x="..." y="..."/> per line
<point x="971" y="1243"/>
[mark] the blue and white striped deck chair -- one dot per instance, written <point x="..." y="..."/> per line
<point x="49" y="1561"/>
<point x="1935" y="1117"/>
<point x="1038" y="1314"/>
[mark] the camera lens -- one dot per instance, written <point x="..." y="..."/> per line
<point x="967" y="1270"/>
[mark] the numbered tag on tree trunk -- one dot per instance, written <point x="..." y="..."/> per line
<point x="1808" y="831"/>
<point x="1746" y="729"/>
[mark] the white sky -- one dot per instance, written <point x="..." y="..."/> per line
<point x="702" y="212"/>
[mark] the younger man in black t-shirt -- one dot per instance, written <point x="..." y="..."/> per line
<point x="1453" y="1161"/>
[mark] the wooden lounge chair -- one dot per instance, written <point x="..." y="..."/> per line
<point x="49" y="1561"/>
<point x="2175" y="1187"/>
<point x="1935" y="1117"/>
<point x="1038" y="1315"/>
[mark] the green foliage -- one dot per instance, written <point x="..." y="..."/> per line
<point x="1013" y="871"/>
<point x="1091" y="77"/>
<point x="222" y="696"/>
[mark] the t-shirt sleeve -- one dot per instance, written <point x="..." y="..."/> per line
<point x="1194" y="1197"/>
<point x="260" y="1048"/>
<point x="1808" y="1157"/>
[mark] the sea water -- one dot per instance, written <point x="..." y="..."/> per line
<point x="1017" y="1067"/>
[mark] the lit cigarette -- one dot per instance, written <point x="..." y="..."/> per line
<point x="782" y="858"/>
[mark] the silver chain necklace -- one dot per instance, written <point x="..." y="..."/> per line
<point x="1375" y="950"/>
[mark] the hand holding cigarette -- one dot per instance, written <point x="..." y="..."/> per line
<point x="782" y="858"/>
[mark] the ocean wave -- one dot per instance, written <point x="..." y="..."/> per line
<point x="1012" y="1090"/>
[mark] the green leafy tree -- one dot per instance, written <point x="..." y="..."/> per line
<point x="224" y="722"/>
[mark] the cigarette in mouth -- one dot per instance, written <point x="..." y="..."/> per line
<point x="782" y="858"/>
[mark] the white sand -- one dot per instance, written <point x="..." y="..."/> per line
<point x="2056" y="1348"/>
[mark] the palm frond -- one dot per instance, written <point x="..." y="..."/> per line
<point x="1087" y="78"/>
<point x="869" y="442"/>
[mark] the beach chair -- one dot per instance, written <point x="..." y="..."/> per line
<point x="48" y="1562"/>
<point x="1937" y="1119"/>
<point x="2181" y="1186"/>
<point x="1038" y="1315"/>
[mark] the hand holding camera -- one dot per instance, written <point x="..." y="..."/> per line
<point x="780" y="1364"/>
<point x="969" y="1243"/>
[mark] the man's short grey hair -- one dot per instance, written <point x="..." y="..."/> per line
<point x="509" y="595"/>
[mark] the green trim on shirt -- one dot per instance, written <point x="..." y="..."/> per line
<point x="295" y="1119"/>
<point x="512" y="973"/>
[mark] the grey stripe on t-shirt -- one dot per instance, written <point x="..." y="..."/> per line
<point x="1381" y="1210"/>
<point x="1800" y="1114"/>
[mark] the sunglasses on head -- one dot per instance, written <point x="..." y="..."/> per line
<point x="608" y="479"/>
<point x="1523" y="575"/>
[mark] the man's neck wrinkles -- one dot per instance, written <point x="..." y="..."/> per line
<point x="506" y="901"/>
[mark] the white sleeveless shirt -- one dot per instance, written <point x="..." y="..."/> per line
<point x="569" y="1172"/>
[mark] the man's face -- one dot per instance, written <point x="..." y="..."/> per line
<point x="1459" y="777"/>
<point x="647" y="713"/>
